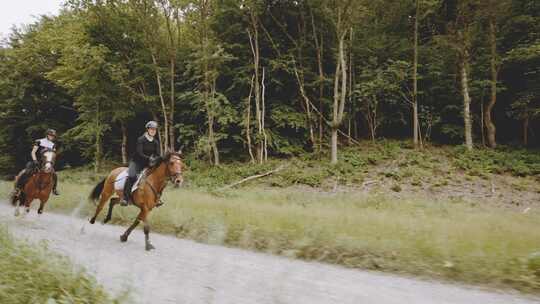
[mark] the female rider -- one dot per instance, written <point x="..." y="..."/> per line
<point x="148" y="149"/>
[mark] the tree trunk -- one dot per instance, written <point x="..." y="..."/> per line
<point x="333" y="144"/>
<point x="124" y="143"/>
<point x="416" y="134"/>
<point x="466" y="100"/>
<point x="211" y="128"/>
<point x="482" y="123"/>
<point x="490" y="126"/>
<point x="162" y="100"/>
<point x="97" y="166"/>
<point x="159" y="135"/>
<point x="526" y="131"/>
<point x="319" y="51"/>
<point x="254" y="42"/>
<point x="248" y="121"/>
<point x="172" y="138"/>
<point x="340" y="95"/>
<point x="263" y="115"/>
<point x="335" y="125"/>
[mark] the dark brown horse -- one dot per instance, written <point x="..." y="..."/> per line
<point x="146" y="197"/>
<point x="38" y="186"/>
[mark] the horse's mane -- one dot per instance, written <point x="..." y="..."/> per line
<point x="165" y="158"/>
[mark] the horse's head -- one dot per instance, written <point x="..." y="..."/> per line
<point x="48" y="157"/>
<point x="175" y="166"/>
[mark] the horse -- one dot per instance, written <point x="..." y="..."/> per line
<point x="146" y="196"/>
<point x="39" y="185"/>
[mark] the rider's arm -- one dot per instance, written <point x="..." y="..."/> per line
<point x="34" y="151"/>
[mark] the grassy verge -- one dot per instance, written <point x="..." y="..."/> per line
<point x="446" y="239"/>
<point x="32" y="274"/>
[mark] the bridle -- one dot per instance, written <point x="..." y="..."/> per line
<point x="177" y="175"/>
<point x="45" y="161"/>
<point x="172" y="178"/>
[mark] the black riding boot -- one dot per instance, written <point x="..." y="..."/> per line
<point x="127" y="191"/>
<point x="55" y="183"/>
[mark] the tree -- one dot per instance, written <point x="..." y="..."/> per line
<point x="343" y="13"/>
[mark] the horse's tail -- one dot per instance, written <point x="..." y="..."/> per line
<point x="96" y="192"/>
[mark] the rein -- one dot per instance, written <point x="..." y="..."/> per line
<point x="156" y="193"/>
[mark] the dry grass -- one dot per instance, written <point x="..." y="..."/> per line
<point x="451" y="239"/>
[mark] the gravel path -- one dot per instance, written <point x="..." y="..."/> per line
<point x="182" y="271"/>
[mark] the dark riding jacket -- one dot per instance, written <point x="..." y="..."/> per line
<point x="145" y="150"/>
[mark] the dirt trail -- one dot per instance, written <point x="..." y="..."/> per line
<point x="181" y="271"/>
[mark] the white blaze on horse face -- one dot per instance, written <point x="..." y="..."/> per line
<point x="176" y="164"/>
<point x="48" y="157"/>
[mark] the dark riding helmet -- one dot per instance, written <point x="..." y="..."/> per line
<point x="151" y="124"/>
<point x="51" y="132"/>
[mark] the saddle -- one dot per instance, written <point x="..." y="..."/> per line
<point x="120" y="181"/>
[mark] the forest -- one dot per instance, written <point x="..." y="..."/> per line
<point x="249" y="80"/>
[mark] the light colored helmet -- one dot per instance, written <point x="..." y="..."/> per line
<point x="151" y="124"/>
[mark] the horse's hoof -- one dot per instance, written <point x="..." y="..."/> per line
<point x="27" y="210"/>
<point x="40" y="211"/>
<point x="92" y="220"/>
<point x="17" y="212"/>
<point x="123" y="238"/>
<point x="149" y="247"/>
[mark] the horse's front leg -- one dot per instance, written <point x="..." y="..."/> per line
<point x="27" y="204"/>
<point x="124" y="237"/>
<point x="42" y="205"/>
<point x="148" y="245"/>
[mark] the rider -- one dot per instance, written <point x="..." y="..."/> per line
<point x="148" y="149"/>
<point x="48" y="142"/>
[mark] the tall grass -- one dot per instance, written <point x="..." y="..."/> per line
<point x="450" y="239"/>
<point x="444" y="239"/>
<point x="33" y="274"/>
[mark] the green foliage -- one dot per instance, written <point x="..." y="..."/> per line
<point x="100" y="66"/>
<point x="501" y="160"/>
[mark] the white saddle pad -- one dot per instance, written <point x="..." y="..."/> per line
<point x="121" y="180"/>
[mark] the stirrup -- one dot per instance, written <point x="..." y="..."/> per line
<point x="123" y="202"/>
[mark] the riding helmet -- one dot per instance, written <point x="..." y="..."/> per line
<point x="151" y="124"/>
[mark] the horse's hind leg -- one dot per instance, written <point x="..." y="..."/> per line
<point x="112" y="202"/>
<point x="105" y="195"/>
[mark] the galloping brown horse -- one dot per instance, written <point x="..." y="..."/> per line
<point x="38" y="186"/>
<point x="146" y="197"/>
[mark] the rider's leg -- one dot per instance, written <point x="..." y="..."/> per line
<point x="130" y="180"/>
<point x="55" y="183"/>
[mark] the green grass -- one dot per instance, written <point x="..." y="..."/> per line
<point x="451" y="240"/>
<point x="466" y="241"/>
<point x="33" y="274"/>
